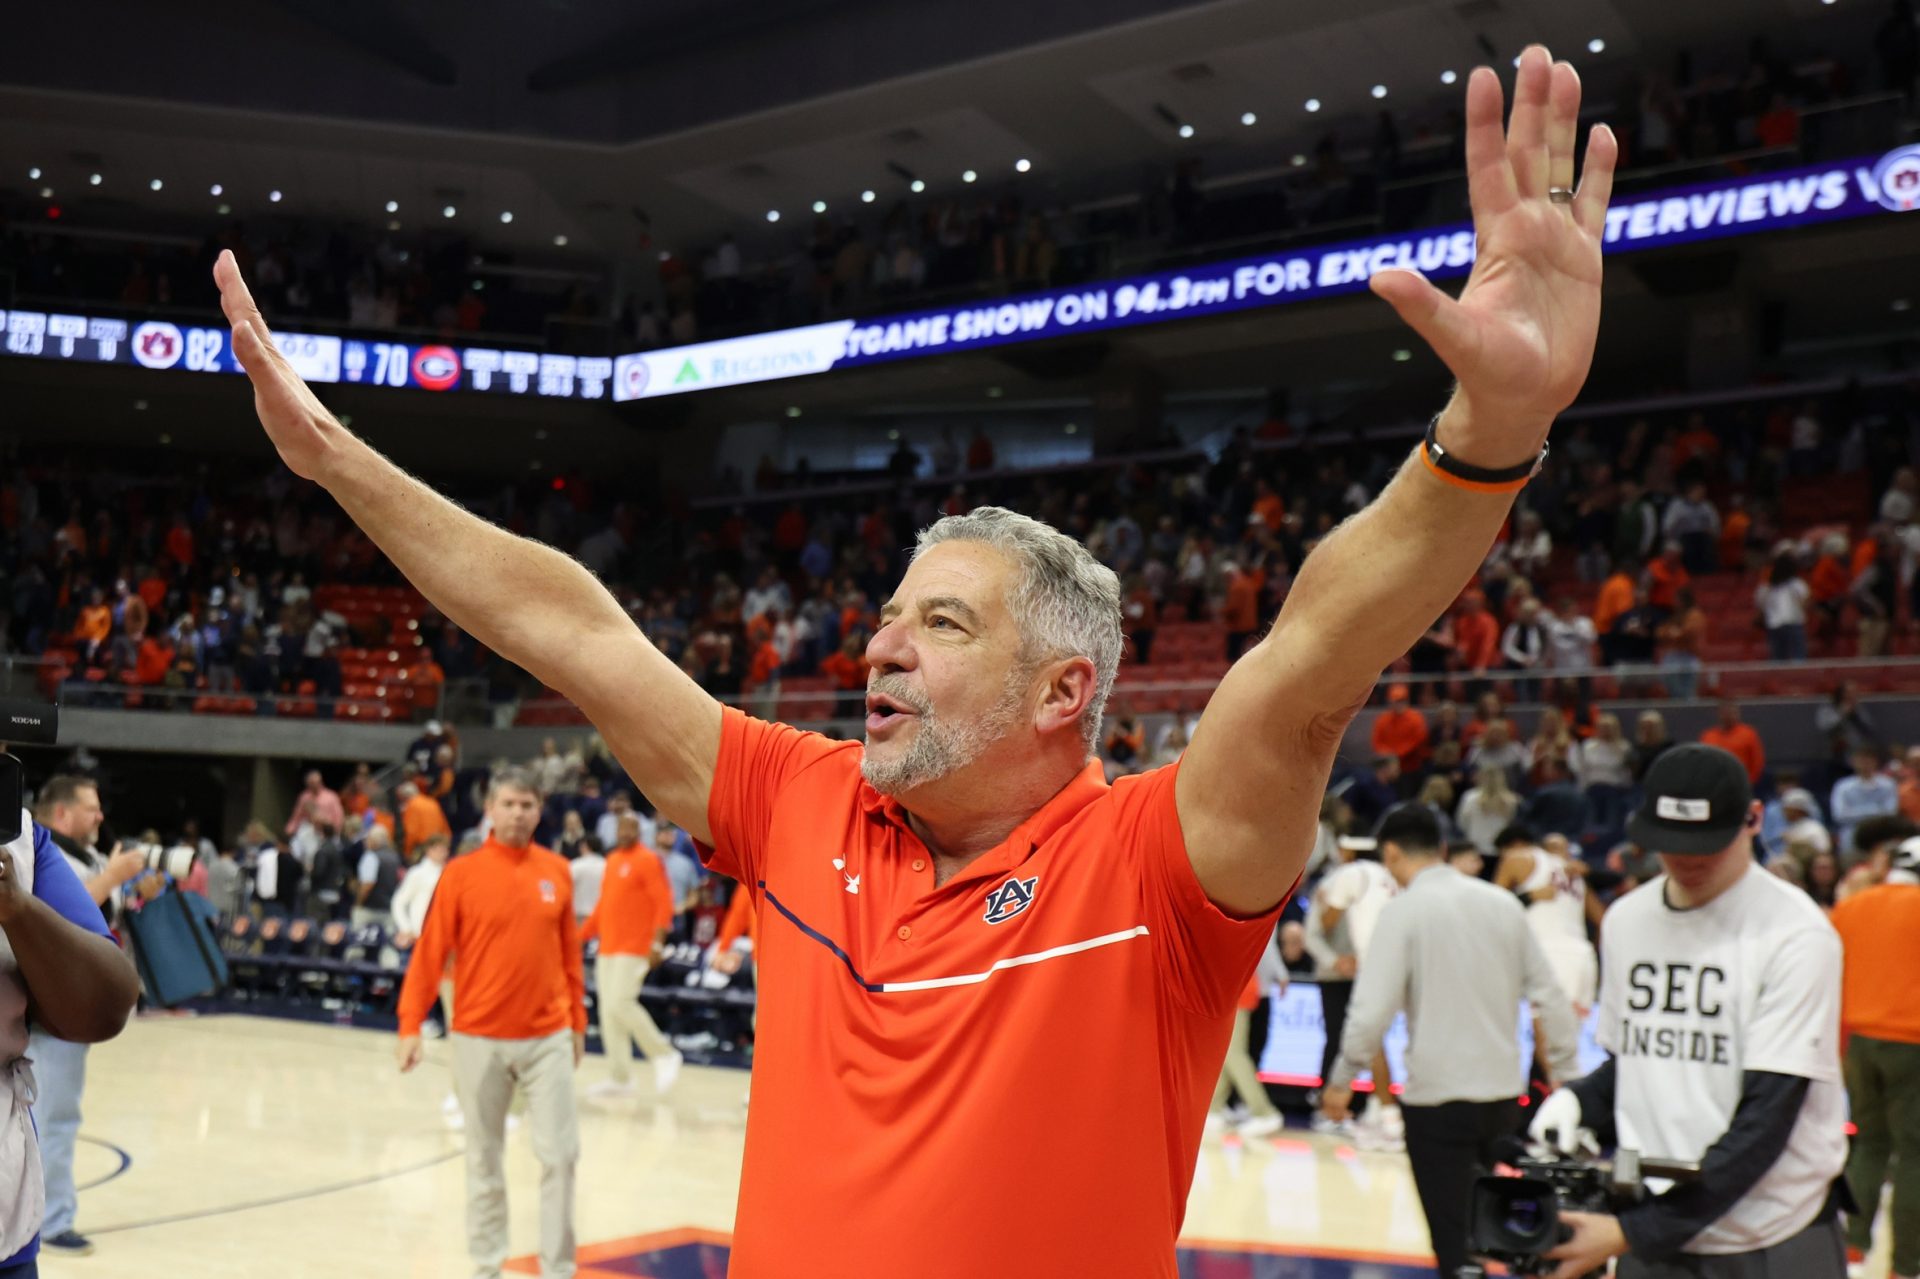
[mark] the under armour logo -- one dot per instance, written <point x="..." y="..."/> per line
<point x="853" y="881"/>
<point x="1008" y="900"/>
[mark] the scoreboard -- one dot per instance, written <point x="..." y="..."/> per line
<point x="322" y="359"/>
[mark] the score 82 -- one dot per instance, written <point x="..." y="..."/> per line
<point x="203" y="350"/>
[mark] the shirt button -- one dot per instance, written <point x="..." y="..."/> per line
<point x="905" y="932"/>
<point x="919" y="863"/>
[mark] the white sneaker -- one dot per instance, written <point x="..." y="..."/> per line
<point x="612" y="1089"/>
<point x="1262" y="1126"/>
<point x="451" y="1114"/>
<point x="1392" y="1123"/>
<point x="1215" y="1125"/>
<point x="666" y="1070"/>
<point x="1332" y="1127"/>
<point x="1372" y="1134"/>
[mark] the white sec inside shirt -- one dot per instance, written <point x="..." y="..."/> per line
<point x="1691" y="999"/>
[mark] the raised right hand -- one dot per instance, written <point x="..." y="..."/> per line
<point x="297" y="423"/>
<point x="124" y="864"/>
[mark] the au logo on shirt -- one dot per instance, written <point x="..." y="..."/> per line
<point x="1008" y="900"/>
<point x="547" y="893"/>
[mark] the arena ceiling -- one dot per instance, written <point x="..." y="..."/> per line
<point x="571" y="114"/>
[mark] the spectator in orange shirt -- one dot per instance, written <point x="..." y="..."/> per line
<point x="631" y="920"/>
<point x="421" y="818"/>
<point x="1734" y="528"/>
<point x="1738" y="740"/>
<point x="1476" y="639"/>
<point x="1401" y="731"/>
<point x="1615" y="598"/>
<point x="1665" y="576"/>
<point x="1241" y="612"/>
<point x="1829" y="582"/>
<point x="95" y="625"/>
<point x="1268" y="506"/>
<point x="848" y="671"/>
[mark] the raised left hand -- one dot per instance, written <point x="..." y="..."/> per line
<point x="1520" y="338"/>
<point x="1596" y="1237"/>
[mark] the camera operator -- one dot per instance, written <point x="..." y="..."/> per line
<point x="1457" y="955"/>
<point x="1720" y="1005"/>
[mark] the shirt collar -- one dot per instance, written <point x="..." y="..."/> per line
<point x="1088" y="785"/>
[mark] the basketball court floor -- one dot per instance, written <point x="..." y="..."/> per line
<point x="223" y="1147"/>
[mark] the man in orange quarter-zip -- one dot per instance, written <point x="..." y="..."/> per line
<point x="504" y="912"/>
<point x="994" y="990"/>
<point x="631" y="919"/>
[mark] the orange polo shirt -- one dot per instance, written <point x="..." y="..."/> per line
<point x="1051" y="1020"/>
<point x="421" y="818"/>
<point x="506" y="916"/>
<point x="1743" y="744"/>
<point x="1401" y="731"/>
<point x="635" y="903"/>
<point x="1615" y="598"/>
<point x="1880" y="929"/>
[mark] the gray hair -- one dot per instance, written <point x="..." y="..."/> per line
<point x="1065" y="602"/>
<point x="512" y="779"/>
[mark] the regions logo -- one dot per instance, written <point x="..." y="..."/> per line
<point x="436" y="368"/>
<point x="157" y="345"/>
<point x="1896" y="179"/>
<point x="1008" y="900"/>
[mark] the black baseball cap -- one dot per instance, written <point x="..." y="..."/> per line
<point x="1697" y="800"/>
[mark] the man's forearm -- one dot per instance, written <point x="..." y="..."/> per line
<point x="100" y="887"/>
<point x="481" y="576"/>
<point x="80" y="986"/>
<point x="1376" y="584"/>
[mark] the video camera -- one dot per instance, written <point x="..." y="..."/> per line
<point x="37" y="723"/>
<point x="1516" y="1220"/>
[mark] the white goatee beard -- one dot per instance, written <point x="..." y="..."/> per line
<point x="940" y="748"/>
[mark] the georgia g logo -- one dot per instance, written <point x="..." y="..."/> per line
<point x="1008" y="900"/>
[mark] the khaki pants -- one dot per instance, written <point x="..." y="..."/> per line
<point x="623" y="1021"/>
<point x="1239" y="1074"/>
<point x="485" y="1073"/>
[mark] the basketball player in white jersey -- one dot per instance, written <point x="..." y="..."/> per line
<point x="1340" y="922"/>
<point x="1554" y="889"/>
<point x="1720" y="1005"/>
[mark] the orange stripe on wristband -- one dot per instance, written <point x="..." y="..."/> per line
<point x="1472" y="486"/>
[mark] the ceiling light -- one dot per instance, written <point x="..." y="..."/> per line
<point x="773" y="215"/>
<point x="1313" y="104"/>
<point x="448" y="212"/>
<point x="894" y="433"/>
<point x="1072" y="427"/>
<point x="1516" y="59"/>
<point x="1401" y="355"/>
<point x="393" y="206"/>
<point x="1299" y="161"/>
<point x="866" y="197"/>
<point x="479" y="285"/>
<point x="994" y="393"/>
<point x="1902" y="304"/>
<point x="969" y="176"/>
<point x="393" y="224"/>
<point x="46" y="193"/>
<point x="1186" y="130"/>
<point x="559" y="241"/>
<point x="819" y="206"/>
<point x="1596" y="45"/>
<point x="273" y="196"/>
<point x="793" y="410"/>
<point x="93" y="179"/>
<point x="1379" y="90"/>
<point x="216" y="189"/>
<point x="505" y="216"/>
<point x="155" y="185"/>
<point x="1248" y="118"/>
<point x="1448" y="77"/>
<point x="33" y="175"/>
<point x="1021" y="166"/>
<point x="223" y="209"/>
<point x="916" y="186"/>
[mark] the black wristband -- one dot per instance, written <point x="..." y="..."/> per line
<point x="1453" y="466"/>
